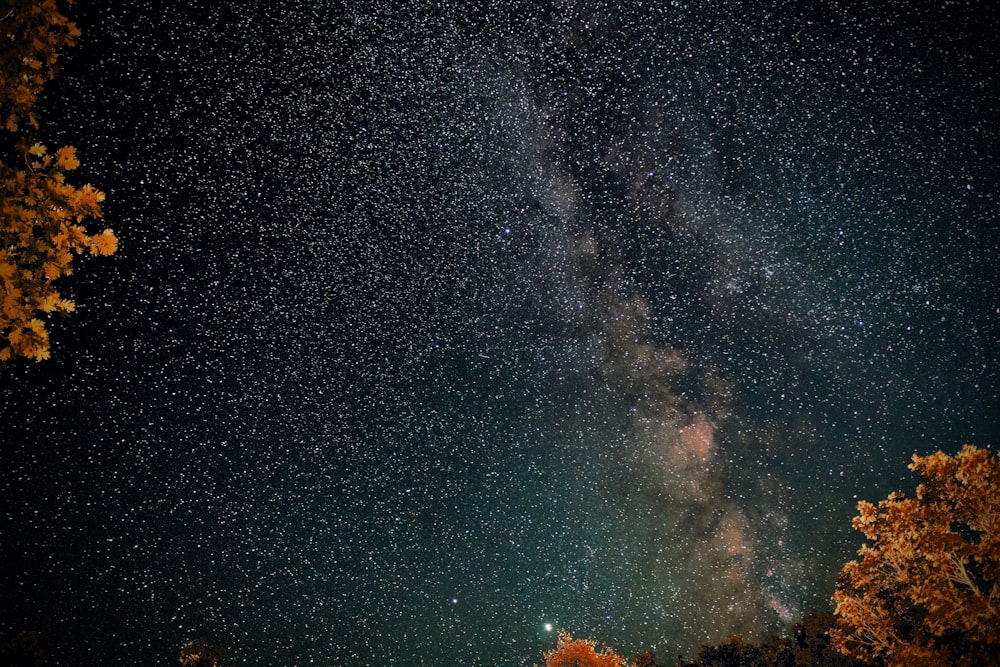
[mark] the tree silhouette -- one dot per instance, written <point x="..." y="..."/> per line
<point x="22" y="650"/>
<point x="926" y="589"/>
<point x="41" y="215"/>
<point x="199" y="653"/>
<point x="808" y="646"/>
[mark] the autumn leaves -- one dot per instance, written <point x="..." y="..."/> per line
<point x="926" y="588"/>
<point x="41" y="230"/>
<point x="41" y="214"/>
<point x="31" y="33"/>
<point x="582" y="653"/>
<point x="925" y="591"/>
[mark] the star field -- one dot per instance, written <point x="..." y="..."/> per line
<point x="435" y="328"/>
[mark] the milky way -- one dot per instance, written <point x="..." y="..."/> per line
<point x="435" y="329"/>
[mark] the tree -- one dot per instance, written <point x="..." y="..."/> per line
<point x="571" y="652"/>
<point x="926" y="589"/>
<point x="22" y="650"/>
<point x="737" y="653"/>
<point x="808" y="646"/>
<point x="41" y="215"/>
<point x="199" y="653"/>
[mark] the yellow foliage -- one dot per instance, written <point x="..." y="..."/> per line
<point x="66" y="158"/>
<point x="40" y="213"/>
<point x="104" y="243"/>
<point x="199" y="653"/>
<point x="571" y="652"/>
<point x="926" y="589"/>
<point x="31" y="34"/>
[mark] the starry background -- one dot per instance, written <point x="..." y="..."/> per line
<point x="436" y="326"/>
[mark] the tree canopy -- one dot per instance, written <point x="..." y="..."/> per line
<point x="926" y="588"/>
<point x="571" y="652"/>
<point x="41" y="214"/>
<point x="925" y="591"/>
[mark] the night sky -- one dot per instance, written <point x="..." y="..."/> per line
<point x="436" y="328"/>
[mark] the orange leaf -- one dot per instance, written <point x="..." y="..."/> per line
<point x="104" y="243"/>
<point x="66" y="158"/>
